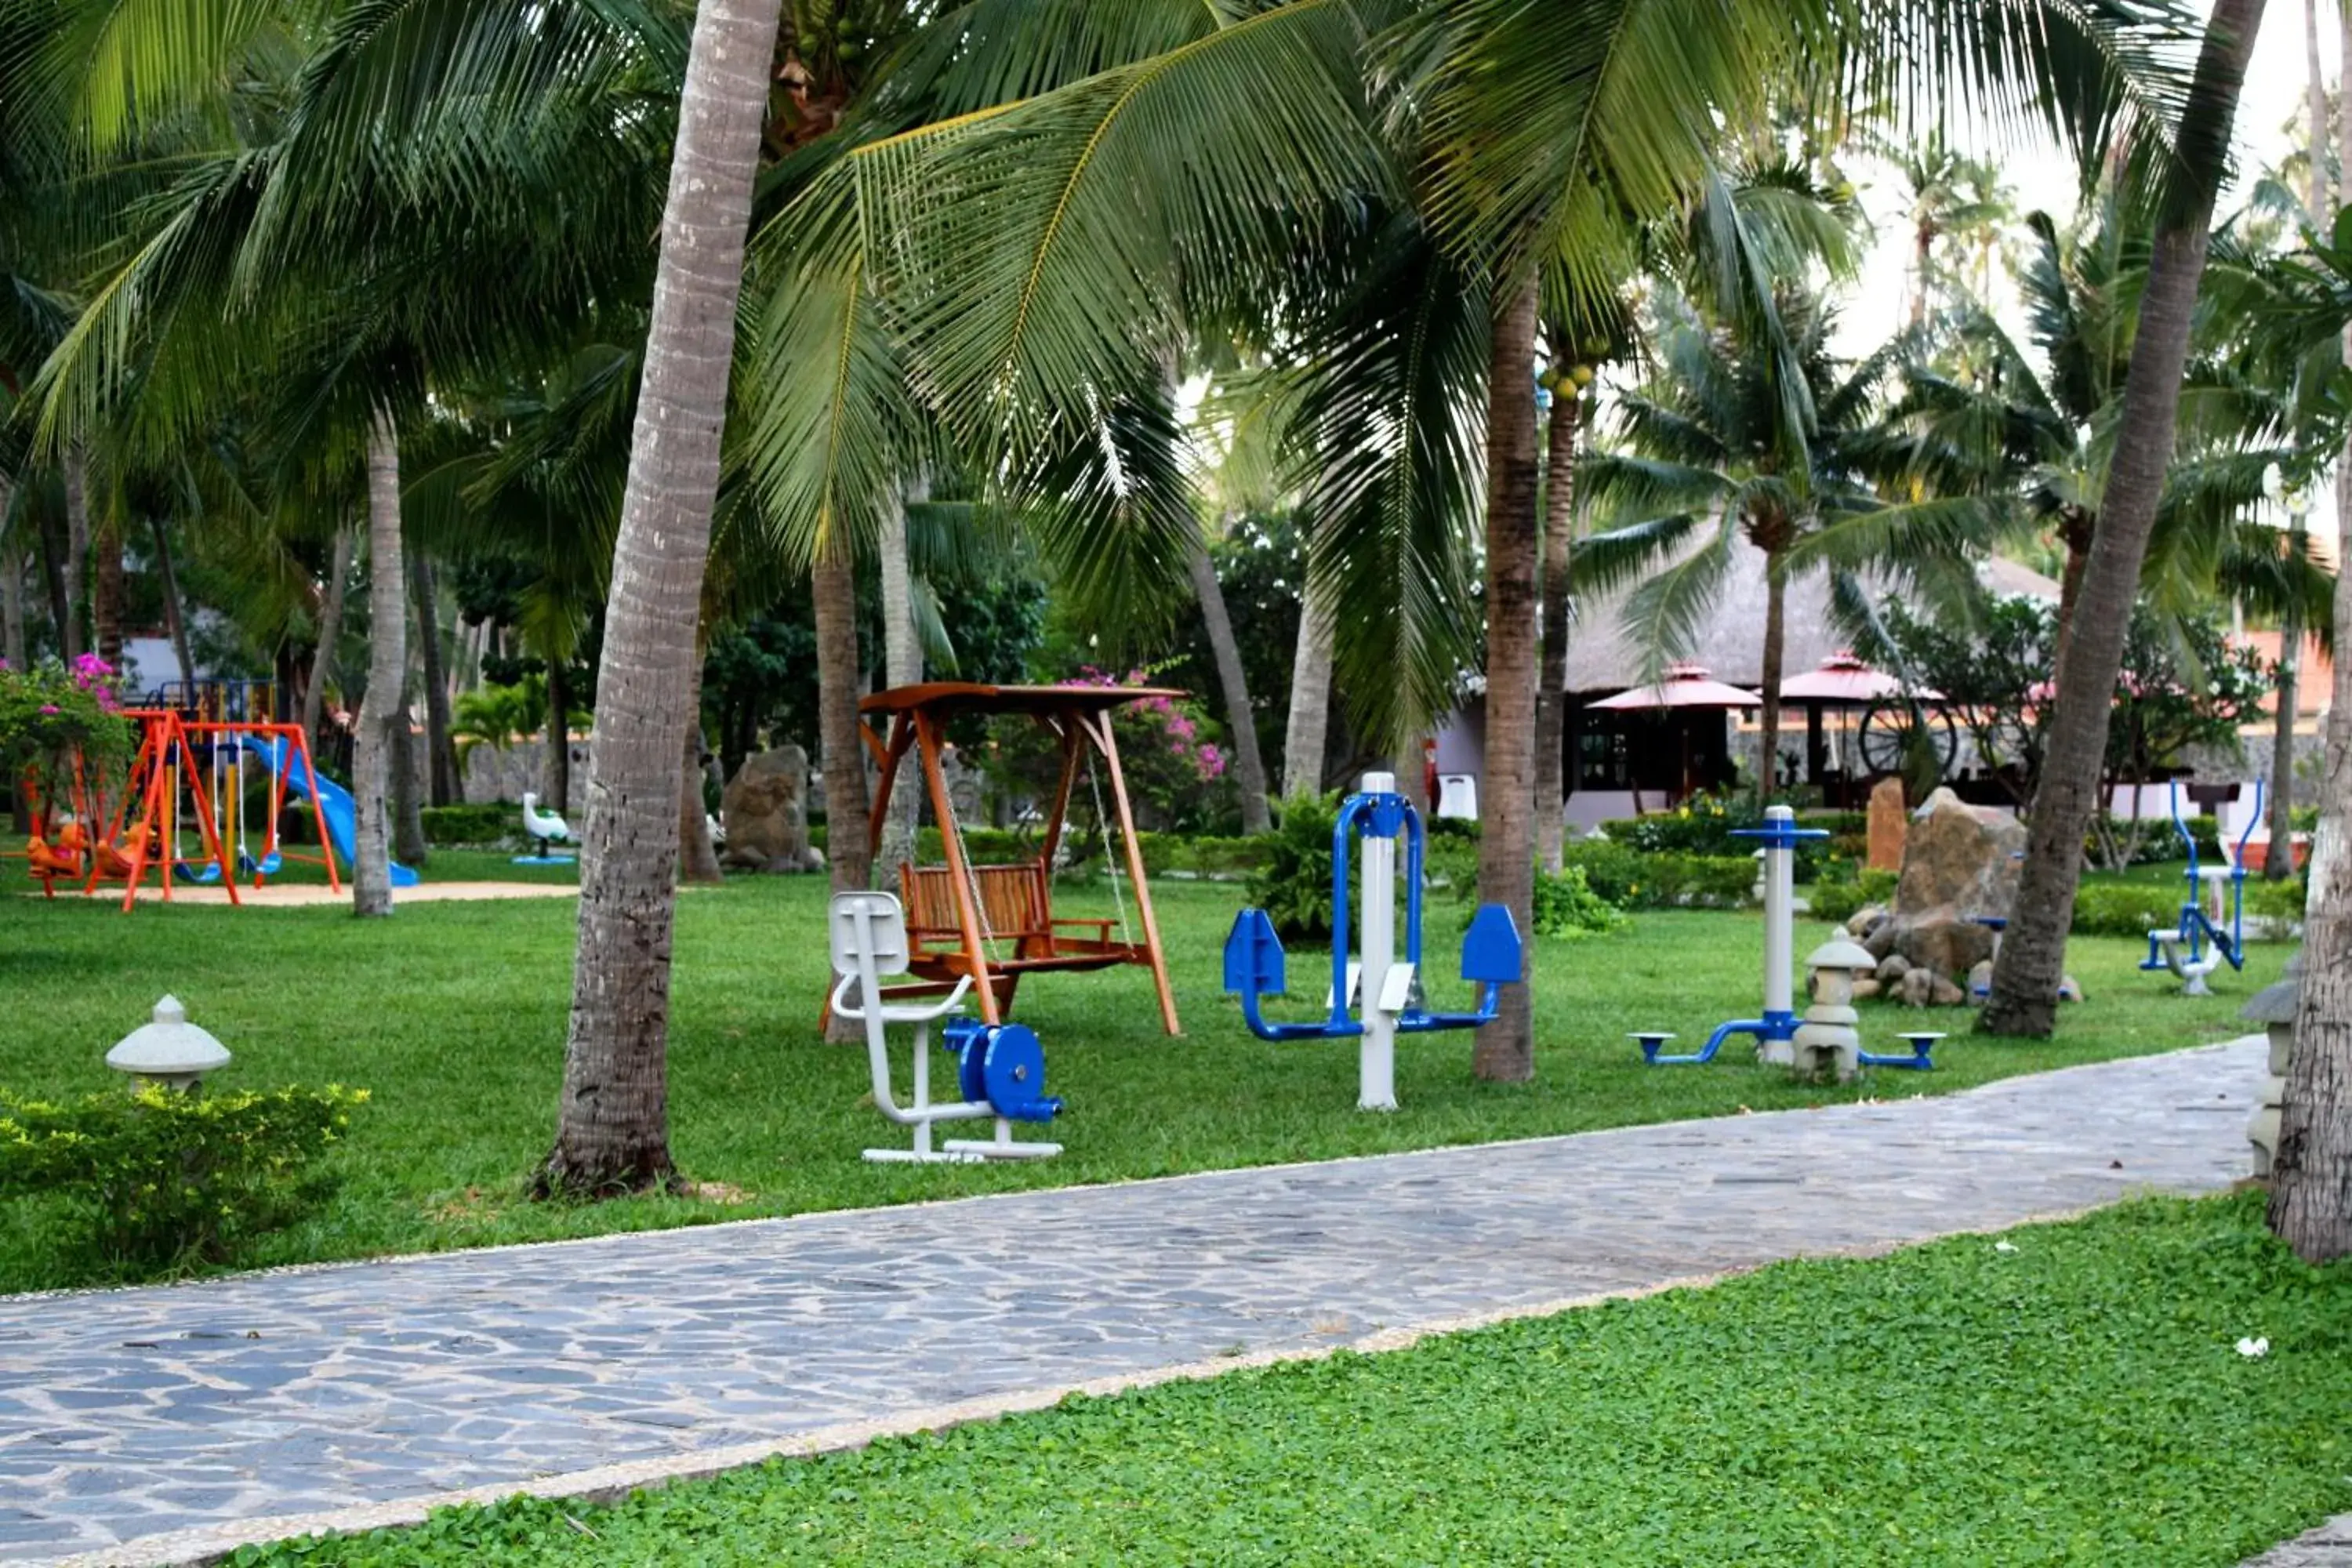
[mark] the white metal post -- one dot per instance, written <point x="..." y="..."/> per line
<point x="1375" y="1072"/>
<point x="1780" y="915"/>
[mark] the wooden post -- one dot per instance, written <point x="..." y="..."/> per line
<point x="1061" y="814"/>
<point x="967" y="915"/>
<point x="1108" y="745"/>
<point x="878" y="813"/>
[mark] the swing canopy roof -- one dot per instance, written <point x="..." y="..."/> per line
<point x="945" y="697"/>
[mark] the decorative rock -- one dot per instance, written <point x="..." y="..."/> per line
<point x="1892" y="968"/>
<point x="1916" y="988"/>
<point x="1862" y="988"/>
<point x="1887" y="827"/>
<point x="1865" y="920"/>
<point x="1980" y="978"/>
<point x="1959" y="859"/>
<point x="2070" y="989"/>
<point x="1944" y="993"/>
<point x="1949" y="946"/>
<point x="766" y="807"/>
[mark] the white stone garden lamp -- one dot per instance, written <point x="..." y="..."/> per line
<point x="168" y="1049"/>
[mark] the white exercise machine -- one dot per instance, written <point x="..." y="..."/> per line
<point x="1000" y="1066"/>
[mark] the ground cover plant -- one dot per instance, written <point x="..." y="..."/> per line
<point x="2066" y="1394"/>
<point x="452" y="1019"/>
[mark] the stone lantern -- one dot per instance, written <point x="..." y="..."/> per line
<point x="2274" y="1007"/>
<point x="168" y="1049"/>
<point x="1827" y="1040"/>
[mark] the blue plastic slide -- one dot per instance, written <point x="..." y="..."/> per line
<point x="335" y="805"/>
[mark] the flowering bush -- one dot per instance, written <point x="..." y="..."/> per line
<point x="1175" y="770"/>
<point x="49" y="712"/>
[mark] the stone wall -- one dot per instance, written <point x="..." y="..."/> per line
<point x="492" y="776"/>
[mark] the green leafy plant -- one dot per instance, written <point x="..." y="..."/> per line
<point x="159" y="1179"/>
<point x="454" y="825"/>
<point x="1838" y="900"/>
<point x="1293" y="884"/>
<point x="2124" y="909"/>
<point x="1566" y="906"/>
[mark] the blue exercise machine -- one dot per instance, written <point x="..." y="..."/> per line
<point x="1776" y="1031"/>
<point x="1376" y="999"/>
<point x="2183" y="951"/>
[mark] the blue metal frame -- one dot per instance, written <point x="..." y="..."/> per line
<point x="1779" y="1024"/>
<point x="1922" y="1042"/>
<point x="1256" y="966"/>
<point x="2196" y="928"/>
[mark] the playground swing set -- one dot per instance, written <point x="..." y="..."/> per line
<point x="179" y="811"/>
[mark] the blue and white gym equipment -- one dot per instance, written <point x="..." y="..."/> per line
<point x="2184" y="949"/>
<point x="1776" y="1031"/>
<point x="1000" y="1068"/>
<point x="1387" y="989"/>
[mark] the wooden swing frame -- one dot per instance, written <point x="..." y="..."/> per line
<point x="954" y="911"/>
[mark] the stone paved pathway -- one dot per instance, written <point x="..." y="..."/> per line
<point x="2329" y="1546"/>
<point x="128" y="1414"/>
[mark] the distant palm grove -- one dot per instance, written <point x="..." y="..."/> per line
<point x="586" y="396"/>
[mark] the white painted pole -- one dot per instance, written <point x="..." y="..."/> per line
<point x="1780" y="915"/>
<point x="1376" y="1070"/>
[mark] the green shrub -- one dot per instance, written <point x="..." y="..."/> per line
<point x="1837" y="901"/>
<point x="1210" y="854"/>
<point x="1704" y="826"/>
<point x="161" y="1179"/>
<point x="1293" y="882"/>
<point x="459" y="825"/>
<point x="2276" y="900"/>
<point x="2124" y="909"/>
<point x="1566" y="906"/>
<point x="1634" y="880"/>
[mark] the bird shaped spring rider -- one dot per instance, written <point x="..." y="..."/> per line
<point x="546" y="830"/>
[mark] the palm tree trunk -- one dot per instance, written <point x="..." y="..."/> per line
<point x="70" y="638"/>
<point x="1506" y="1049"/>
<point x="105" y="587"/>
<point x="833" y="589"/>
<point x="12" y="585"/>
<point x="1775" y="637"/>
<point x="902" y="665"/>
<point x="1241" y="717"/>
<point x="2311" y="1180"/>
<point x="555" y="761"/>
<point x="384" y="716"/>
<point x="1307" y="732"/>
<point x="2032" y="956"/>
<point x="175" y="619"/>
<point x="1551" y="694"/>
<point x="440" y="752"/>
<point x="49" y="536"/>
<point x="612" y="1134"/>
<point x="331" y="631"/>
<point x="408" y="841"/>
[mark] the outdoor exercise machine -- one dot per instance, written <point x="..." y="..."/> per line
<point x="1000" y="1068"/>
<point x="1375" y="998"/>
<point x="2184" y="950"/>
<point x="991" y="925"/>
<point x="1776" y="1031"/>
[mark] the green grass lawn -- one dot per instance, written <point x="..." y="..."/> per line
<point x="453" y="1016"/>
<point x="2075" y="1399"/>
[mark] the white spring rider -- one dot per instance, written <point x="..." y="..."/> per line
<point x="1001" y="1067"/>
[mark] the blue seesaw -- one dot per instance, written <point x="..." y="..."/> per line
<point x="1777" y="1029"/>
<point x="1374" y="999"/>
<point x="2183" y="949"/>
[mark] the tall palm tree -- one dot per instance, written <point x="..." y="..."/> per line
<point x="2027" y="973"/>
<point x="612" y="1134"/>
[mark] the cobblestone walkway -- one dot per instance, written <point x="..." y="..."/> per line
<point x="125" y="1415"/>
<point x="2329" y="1546"/>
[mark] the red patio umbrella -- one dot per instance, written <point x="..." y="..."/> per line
<point x="1845" y="679"/>
<point x="1686" y="686"/>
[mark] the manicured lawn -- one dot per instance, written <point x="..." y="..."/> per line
<point x="2076" y="1399"/>
<point x="453" y="1016"/>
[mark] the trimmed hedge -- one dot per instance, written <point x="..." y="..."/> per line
<point x="457" y="826"/>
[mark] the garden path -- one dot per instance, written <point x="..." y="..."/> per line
<point x="248" y="1407"/>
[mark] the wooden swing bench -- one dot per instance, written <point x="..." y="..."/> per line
<point x="993" y="925"/>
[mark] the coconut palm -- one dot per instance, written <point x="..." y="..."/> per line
<point x="2027" y="973"/>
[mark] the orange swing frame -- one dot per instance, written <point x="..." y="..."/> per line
<point x="953" y="910"/>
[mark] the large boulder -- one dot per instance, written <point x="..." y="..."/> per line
<point x="1959" y="859"/>
<point x="766" y="807"/>
<point x="1885" y="852"/>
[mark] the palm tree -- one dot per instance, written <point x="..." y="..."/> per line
<point x="612" y="1134"/>
<point x="2026" y="977"/>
